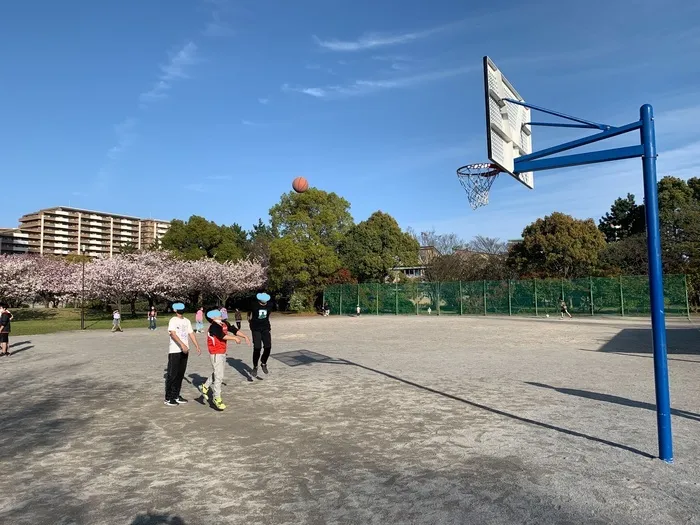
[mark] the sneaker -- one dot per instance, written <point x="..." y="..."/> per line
<point x="204" y="390"/>
<point x="181" y="400"/>
<point x="264" y="368"/>
<point x="254" y="372"/>
<point x="171" y="403"/>
<point x="219" y="403"/>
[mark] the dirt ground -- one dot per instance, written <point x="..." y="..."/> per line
<point x="370" y="420"/>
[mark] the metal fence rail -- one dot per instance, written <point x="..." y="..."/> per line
<point x="622" y="296"/>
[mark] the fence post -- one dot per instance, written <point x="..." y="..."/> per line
<point x="590" y="291"/>
<point x="461" y="306"/>
<point x="438" y="298"/>
<point x="562" y="289"/>
<point x="687" y="302"/>
<point x="358" y="294"/>
<point x="536" y="311"/>
<point x="377" y="298"/>
<point x="340" y="309"/>
<point x="622" y="299"/>
<point x="484" y="297"/>
<point x="510" y="300"/>
<point x="396" y="296"/>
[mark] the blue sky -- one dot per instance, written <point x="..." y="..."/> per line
<point x="168" y="109"/>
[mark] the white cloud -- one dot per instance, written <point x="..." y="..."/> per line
<point x="175" y="68"/>
<point x="125" y="134"/>
<point x="364" y="87"/>
<point x="378" y="40"/>
<point x="199" y="188"/>
<point x="264" y="101"/>
<point x="217" y="28"/>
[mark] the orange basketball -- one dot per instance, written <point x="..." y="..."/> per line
<point x="300" y="184"/>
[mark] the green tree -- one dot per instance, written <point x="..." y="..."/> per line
<point x="694" y="185"/>
<point x="373" y="247"/>
<point x="198" y="238"/>
<point x="313" y="215"/>
<point x="625" y="218"/>
<point x="260" y="237"/>
<point x="308" y="228"/>
<point x="558" y="246"/>
<point x="627" y="256"/>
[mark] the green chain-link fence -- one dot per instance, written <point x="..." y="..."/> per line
<point x="626" y="295"/>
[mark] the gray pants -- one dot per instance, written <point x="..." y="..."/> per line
<point x="217" y="364"/>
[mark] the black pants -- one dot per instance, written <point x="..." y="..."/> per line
<point x="177" y="364"/>
<point x="261" y="338"/>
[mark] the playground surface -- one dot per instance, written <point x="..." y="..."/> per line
<point x="369" y="420"/>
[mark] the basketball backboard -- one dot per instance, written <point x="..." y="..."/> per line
<point x="508" y="134"/>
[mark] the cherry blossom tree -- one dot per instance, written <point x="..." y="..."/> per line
<point x="125" y="277"/>
<point x="56" y="280"/>
<point x="227" y="278"/>
<point x="18" y="278"/>
<point x="159" y="275"/>
<point x="114" y="279"/>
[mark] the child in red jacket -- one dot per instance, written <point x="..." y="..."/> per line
<point x="219" y="333"/>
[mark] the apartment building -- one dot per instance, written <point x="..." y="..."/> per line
<point x="63" y="230"/>
<point x="13" y="241"/>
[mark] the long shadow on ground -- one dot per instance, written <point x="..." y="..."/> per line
<point x="608" y="398"/>
<point x="150" y="518"/>
<point x="20" y="346"/>
<point x="240" y="367"/>
<point x="306" y="357"/>
<point x="684" y="341"/>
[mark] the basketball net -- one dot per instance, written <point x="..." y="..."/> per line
<point x="477" y="179"/>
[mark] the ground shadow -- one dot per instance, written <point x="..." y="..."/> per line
<point x="642" y="356"/>
<point x="608" y="398"/>
<point x="195" y="379"/>
<point x="307" y="357"/>
<point x="150" y="518"/>
<point x="20" y="346"/>
<point x="683" y="341"/>
<point x="241" y="367"/>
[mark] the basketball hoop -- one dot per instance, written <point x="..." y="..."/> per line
<point x="476" y="179"/>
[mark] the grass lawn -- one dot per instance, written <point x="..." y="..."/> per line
<point x="32" y="321"/>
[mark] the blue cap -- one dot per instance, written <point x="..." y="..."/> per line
<point x="178" y="306"/>
<point x="263" y="297"/>
<point x="211" y="314"/>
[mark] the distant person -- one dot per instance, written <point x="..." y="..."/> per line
<point x="564" y="309"/>
<point x="359" y="310"/>
<point x="259" y="322"/>
<point x="180" y="331"/>
<point x="199" y="320"/>
<point x="116" y="321"/>
<point x="326" y="310"/>
<point x="152" y="316"/>
<point x="224" y="313"/>
<point x="5" y="329"/>
<point x="430" y="310"/>
<point x="238" y="317"/>
<point x="218" y="335"/>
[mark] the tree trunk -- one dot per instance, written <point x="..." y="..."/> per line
<point x="133" y="306"/>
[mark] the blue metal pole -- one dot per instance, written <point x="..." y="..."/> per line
<point x="656" y="287"/>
